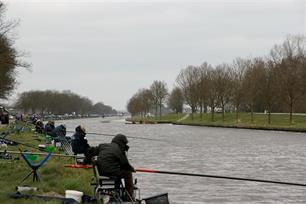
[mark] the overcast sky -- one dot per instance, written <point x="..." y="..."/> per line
<point x="107" y="50"/>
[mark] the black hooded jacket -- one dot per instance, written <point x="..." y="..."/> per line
<point x="79" y="144"/>
<point x="111" y="157"/>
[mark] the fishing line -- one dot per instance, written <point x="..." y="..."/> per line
<point x="111" y="135"/>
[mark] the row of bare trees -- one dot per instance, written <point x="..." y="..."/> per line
<point x="56" y="102"/>
<point x="273" y="83"/>
<point x="276" y="83"/>
<point x="146" y="99"/>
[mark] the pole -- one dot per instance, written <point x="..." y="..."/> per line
<point x="40" y="153"/>
<point x="19" y="143"/>
<point x="219" y="177"/>
<point x="111" y="135"/>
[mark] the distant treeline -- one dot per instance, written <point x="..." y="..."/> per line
<point x="275" y="83"/>
<point x="56" y="102"/>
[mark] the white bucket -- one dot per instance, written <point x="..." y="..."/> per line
<point x="76" y="195"/>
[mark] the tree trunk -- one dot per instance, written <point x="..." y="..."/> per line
<point x="160" y="106"/>
<point x="212" y="113"/>
<point x="252" y="115"/>
<point x="291" y="111"/>
<point x="223" y="113"/>
<point x="237" y="114"/>
<point x="156" y="107"/>
<point x="201" y="111"/>
<point x="269" y="116"/>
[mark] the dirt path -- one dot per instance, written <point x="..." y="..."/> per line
<point x="183" y="118"/>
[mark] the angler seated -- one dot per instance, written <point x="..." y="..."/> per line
<point x="39" y="127"/>
<point x="112" y="161"/>
<point x="49" y="128"/>
<point x="59" y="131"/>
<point x="106" y="184"/>
<point x="79" y="142"/>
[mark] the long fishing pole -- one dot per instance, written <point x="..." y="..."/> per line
<point x="12" y="141"/>
<point x="41" y="153"/>
<point x="111" y="135"/>
<point x="219" y="177"/>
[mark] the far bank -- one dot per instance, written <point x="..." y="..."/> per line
<point x="278" y="122"/>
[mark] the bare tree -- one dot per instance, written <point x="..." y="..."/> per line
<point x="146" y="100"/>
<point x="141" y="102"/>
<point x="223" y="86"/>
<point x="238" y="74"/>
<point x="188" y="80"/>
<point x="270" y="90"/>
<point x="10" y="57"/>
<point x="288" y="60"/>
<point x="176" y="100"/>
<point x="159" y="92"/>
<point x="203" y="88"/>
<point x="133" y="105"/>
<point x="253" y="83"/>
<point x="212" y="92"/>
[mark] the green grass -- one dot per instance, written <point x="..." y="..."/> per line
<point x="170" y="117"/>
<point x="55" y="178"/>
<point x="278" y="121"/>
<point x="164" y="118"/>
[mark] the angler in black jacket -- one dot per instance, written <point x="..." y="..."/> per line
<point x="112" y="160"/>
<point x="49" y="128"/>
<point x="79" y="142"/>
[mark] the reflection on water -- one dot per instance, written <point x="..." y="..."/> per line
<point x="269" y="155"/>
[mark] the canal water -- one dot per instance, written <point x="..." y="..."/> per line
<point x="256" y="154"/>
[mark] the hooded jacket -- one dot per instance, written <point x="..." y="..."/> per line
<point x="79" y="144"/>
<point x="112" y="156"/>
<point x="59" y="131"/>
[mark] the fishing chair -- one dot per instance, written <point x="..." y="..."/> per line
<point x="65" y="145"/>
<point x="112" y="187"/>
<point x="33" y="166"/>
<point x="104" y="185"/>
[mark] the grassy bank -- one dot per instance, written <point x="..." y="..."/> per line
<point x="278" y="121"/>
<point x="54" y="177"/>
<point x="169" y="118"/>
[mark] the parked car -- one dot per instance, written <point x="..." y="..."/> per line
<point x="4" y="115"/>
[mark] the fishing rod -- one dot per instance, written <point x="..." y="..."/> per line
<point x="111" y="135"/>
<point x="15" y="142"/>
<point x="219" y="177"/>
<point x="40" y="153"/>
